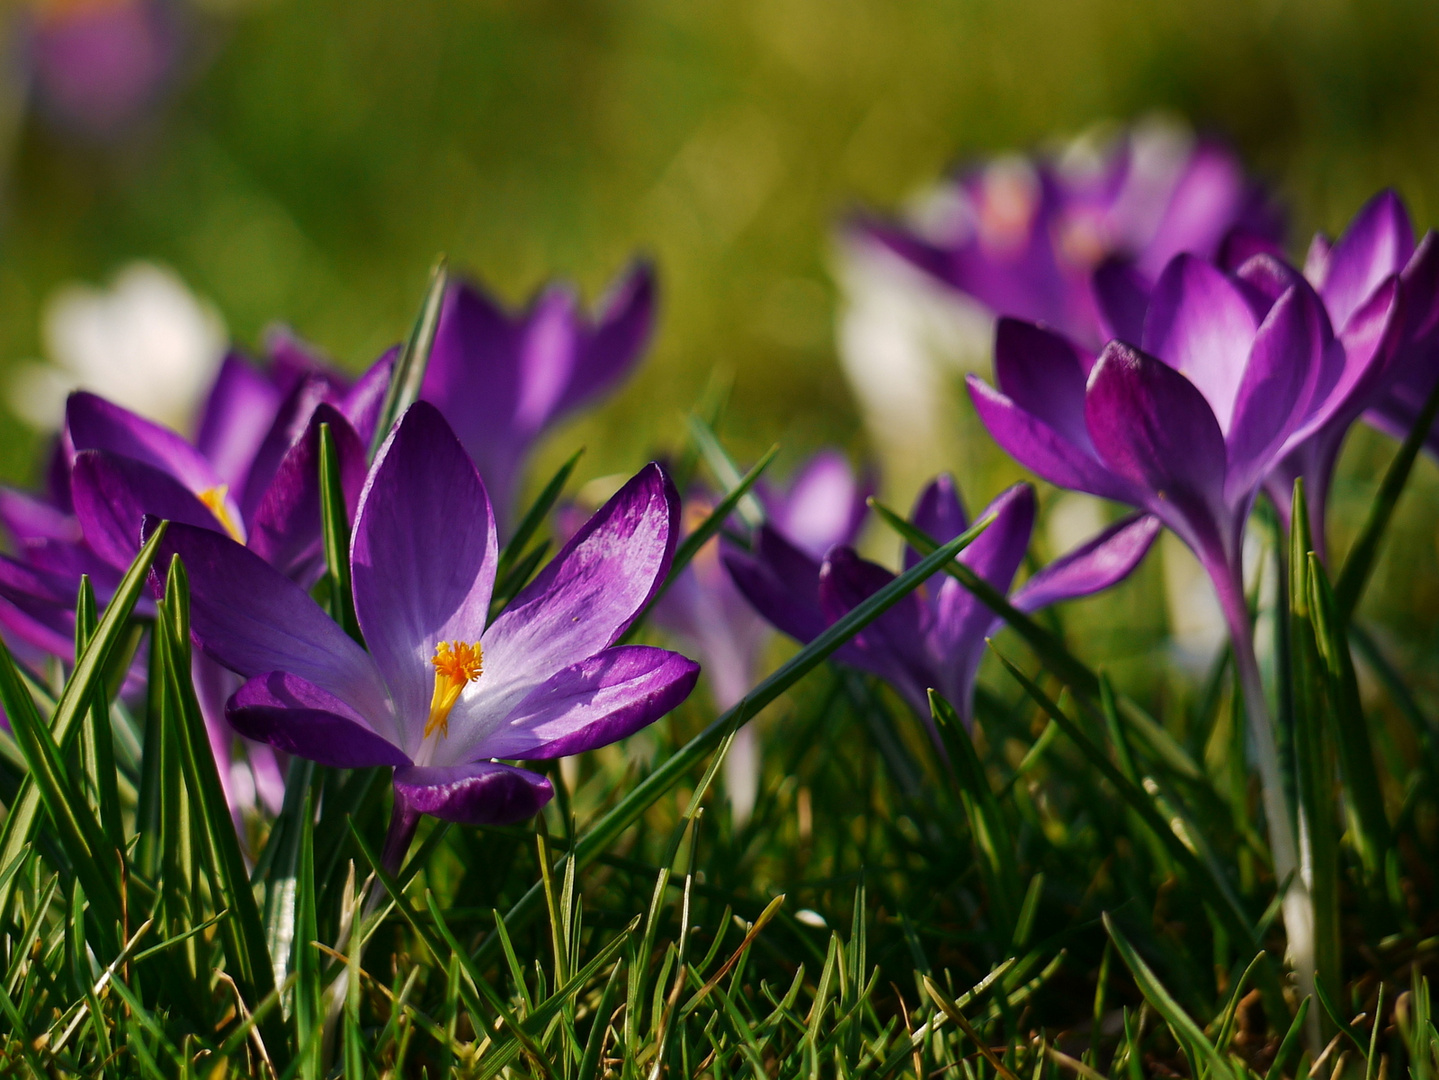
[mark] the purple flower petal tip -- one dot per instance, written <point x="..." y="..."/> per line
<point x="298" y="717"/>
<point x="482" y="793"/>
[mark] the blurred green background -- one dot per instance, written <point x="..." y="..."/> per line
<point x="321" y="153"/>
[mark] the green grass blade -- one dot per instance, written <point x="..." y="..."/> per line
<point x="724" y="470"/>
<point x="644" y="794"/>
<point x="90" y="667"/>
<point x="1359" y="563"/>
<point x="308" y="1008"/>
<point x="589" y="1067"/>
<point x="1197" y="1047"/>
<point x="1218" y="892"/>
<point x="244" y="934"/>
<point x="414" y="358"/>
<point x="335" y="528"/>
<point x="535" y="516"/>
<point x="96" y="736"/>
<point x="1351" y="732"/>
<point x="994" y="846"/>
<point x="1292" y="1044"/>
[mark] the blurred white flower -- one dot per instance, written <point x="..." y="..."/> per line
<point x="146" y="343"/>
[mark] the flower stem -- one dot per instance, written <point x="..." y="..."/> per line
<point x="1297" y="907"/>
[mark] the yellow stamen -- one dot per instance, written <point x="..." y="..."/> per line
<point x="456" y="663"/>
<point x="214" y="499"/>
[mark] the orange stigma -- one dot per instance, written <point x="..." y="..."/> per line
<point x="214" y="500"/>
<point x="456" y="663"/>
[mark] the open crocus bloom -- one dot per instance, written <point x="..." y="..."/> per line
<point x="934" y="638"/>
<point x="440" y="695"/>
<point x="502" y="379"/>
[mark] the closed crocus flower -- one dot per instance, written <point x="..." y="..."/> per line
<point x="440" y="695"/>
<point x="823" y="505"/>
<point x="1229" y="374"/>
<point x="502" y="379"/>
<point x="934" y="639"/>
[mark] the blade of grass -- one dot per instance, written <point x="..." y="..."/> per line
<point x="1359" y="563"/>
<point x="96" y="736"/>
<point x="335" y="528"/>
<point x="724" y="469"/>
<point x="19" y="830"/>
<point x="409" y="372"/>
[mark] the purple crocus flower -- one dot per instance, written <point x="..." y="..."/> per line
<point x="1022" y="236"/>
<point x="97" y="66"/>
<point x="933" y="638"/>
<point x="1231" y="374"/>
<point x="502" y="379"/>
<point x="1381" y="295"/>
<point x="823" y="505"/>
<point x="440" y="695"/>
<point x="1353" y="276"/>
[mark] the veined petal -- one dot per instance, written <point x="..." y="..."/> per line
<point x="1200" y="323"/>
<point x="1377" y="244"/>
<point x="480" y="793"/>
<point x="423" y="559"/>
<point x="593" y="703"/>
<point x="1093" y="567"/>
<point x="1043" y="374"/>
<point x="1043" y="450"/>
<point x="362" y="404"/>
<point x="113" y="494"/>
<point x="237" y="413"/>
<point x="588" y="595"/>
<point x="93" y="423"/>
<point x="251" y="618"/>
<point x="286" y="429"/>
<point x="1121" y="294"/>
<point x="1284" y="367"/>
<point x="286" y="530"/>
<point x="1153" y="427"/>
<point x="549" y="350"/>
<point x="298" y="717"/>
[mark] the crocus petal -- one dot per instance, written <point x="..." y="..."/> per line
<point x="253" y="619"/>
<point x="286" y="531"/>
<point x="423" y="559"/>
<point x="1092" y="567"/>
<point x="481" y="793"/>
<point x="823" y="507"/>
<point x="1200" y="323"/>
<point x="113" y="494"/>
<point x="593" y="703"/>
<point x="362" y="404"/>
<point x="1153" y="427"/>
<point x="588" y="595"/>
<point x="286" y="429"/>
<point x="26" y="517"/>
<point x="961" y="619"/>
<point x="93" y="423"/>
<point x="893" y="646"/>
<point x="1279" y="381"/>
<point x="1121" y="295"/>
<point x="939" y="513"/>
<point x="1043" y="374"/>
<point x="298" y="717"/>
<point x="1377" y="244"/>
<point x="237" y="414"/>
<point x="780" y="581"/>
<point x="1042" y="449"/>
<point x="623" y="328"/>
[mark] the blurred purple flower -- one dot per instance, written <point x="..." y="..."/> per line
<point x="933" y="638"/>
<point x="502" y="379"/>
<point x="439" y="695"/>
<point x="1022" y="236"/>
<point x="98" y="65"/>
<point x="823" y="505"/>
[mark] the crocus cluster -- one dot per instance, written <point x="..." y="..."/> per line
<point x="243" y="499"/>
